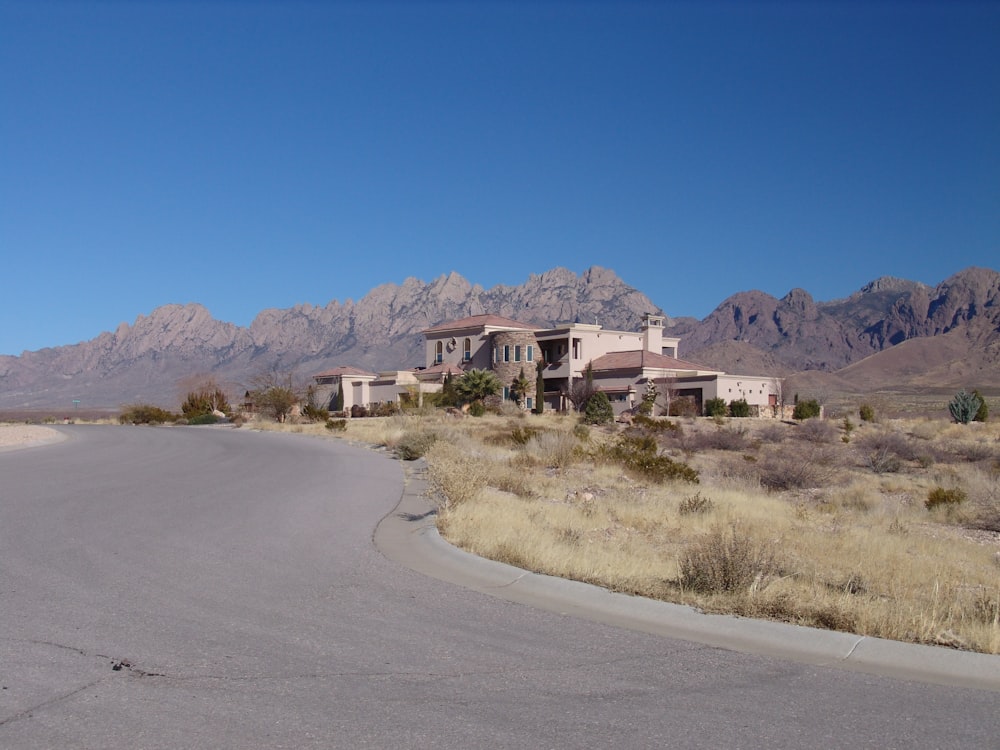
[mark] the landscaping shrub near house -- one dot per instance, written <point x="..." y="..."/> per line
<point x="716" y="407"/>
<point x="806" y="409"/>
<point x="336" y="425"/>
<point x="598" y="409"/>
<point x="739" y="408"/>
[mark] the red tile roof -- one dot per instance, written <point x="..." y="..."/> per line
<point x="640" y="358"/>
<point x="443" y="368"/>
<point x="481" y="321"/>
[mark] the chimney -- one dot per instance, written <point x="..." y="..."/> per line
<point x="652" y="333"/>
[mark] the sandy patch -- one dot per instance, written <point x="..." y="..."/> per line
<point x="13" y="436"/>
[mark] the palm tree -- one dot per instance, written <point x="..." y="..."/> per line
<point x="519" y="388"/>
<point x="475" y="385"/>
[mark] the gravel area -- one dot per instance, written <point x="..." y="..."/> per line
<point x="24" y="435"/>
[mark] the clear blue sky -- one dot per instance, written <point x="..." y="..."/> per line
<point x="248" y="155"/>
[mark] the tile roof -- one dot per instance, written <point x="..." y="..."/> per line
<point x="443" y="368"/>
<point x="480" y="321"/>
<point x="344" y="372"/>
<point x="640" y="358"/>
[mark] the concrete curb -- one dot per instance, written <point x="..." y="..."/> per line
<point x="409" y="536"/>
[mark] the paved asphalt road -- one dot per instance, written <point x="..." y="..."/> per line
<point x="209" y="588"/>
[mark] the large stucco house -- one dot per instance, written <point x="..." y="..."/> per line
<point x="622" y="363"/>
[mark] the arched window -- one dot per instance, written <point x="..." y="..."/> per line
<point x="467" y="350"/>
<point x="439" y="352"/>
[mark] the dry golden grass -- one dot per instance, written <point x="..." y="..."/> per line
<point x="841" y="540"/>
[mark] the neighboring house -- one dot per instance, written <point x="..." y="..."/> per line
<point x="622" y="364"/>
<point x="355" y="384"/>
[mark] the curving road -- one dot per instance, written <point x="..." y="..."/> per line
<point x="194" y="588"/>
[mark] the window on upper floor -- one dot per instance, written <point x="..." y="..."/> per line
<point x="531" y="353"/>
<point x="517" y="352"/>
<point x="439" y="352"/>
<point x="467" y="350"/>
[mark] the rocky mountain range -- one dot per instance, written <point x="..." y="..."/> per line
<point x="922" y="334"/>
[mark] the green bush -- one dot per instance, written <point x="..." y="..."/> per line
<point x="146" y="414"/>
<point x="336" y="425"/>
<point x="203" y="419"/>
<point x="598" y="410"/>
<point x="941" y="496"/>
<point x="983" y="412"/>
<point x="806" y="409"/>
<point x="739" y="408"/>
<point x="695" y="505"/>
<point x="655" y="425"/>
<point x="964" y="406"/>
<point x="866" y="412"/>
<point x="638" y="453"/>
<point x="414" y="445"/>
<point x="477" y="409"/>
<point x="716" y="407"/>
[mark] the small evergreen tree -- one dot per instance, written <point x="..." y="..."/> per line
<point x="648" y="406"/>
<point x="540" y="386"/>
<point x="598" y="409"/>
<point x="806" y="409"/>
<point x="338" y="399"/>
<point x="867" y="413"/>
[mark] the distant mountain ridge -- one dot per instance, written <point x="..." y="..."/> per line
<point x="147" y="360"/>
<point x="748" y="333"/>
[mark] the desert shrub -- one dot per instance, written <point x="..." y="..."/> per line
<point x="358" y="411"/>
<point x="203" y="419"/>
<point x="739" y="408"/>
<point x="816" y="431"/>
<point x="882" y="461"/>
<point x="655" y="425"/>
<point x="315" y="413"/>
<point x="581" y="432"/>
<point x="205" y="401"/>
<point x="414" y="445"/>
<point x="716" y="407"/>
<point x="866" y="412"/>
<point x="336" y="425"/>
<point x="964" y="406"/>
<point x="797" y="469"/>
<point x="727" y="560"/>
<point x="942" y="496"/>
<point x="774" y="432"/>
<point x="983" y="412"/>
<point x="639" y="455"/>
<point x="521" y="434"/>
<point x="555" y="449"/>
<point x="598" y="409"/>
<point x="477" y="409"/>
<point x="145" y="414"/>
<point x="695" y="504"/>
<point x="806" y="409"/>
<point x="723" y="438"/>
